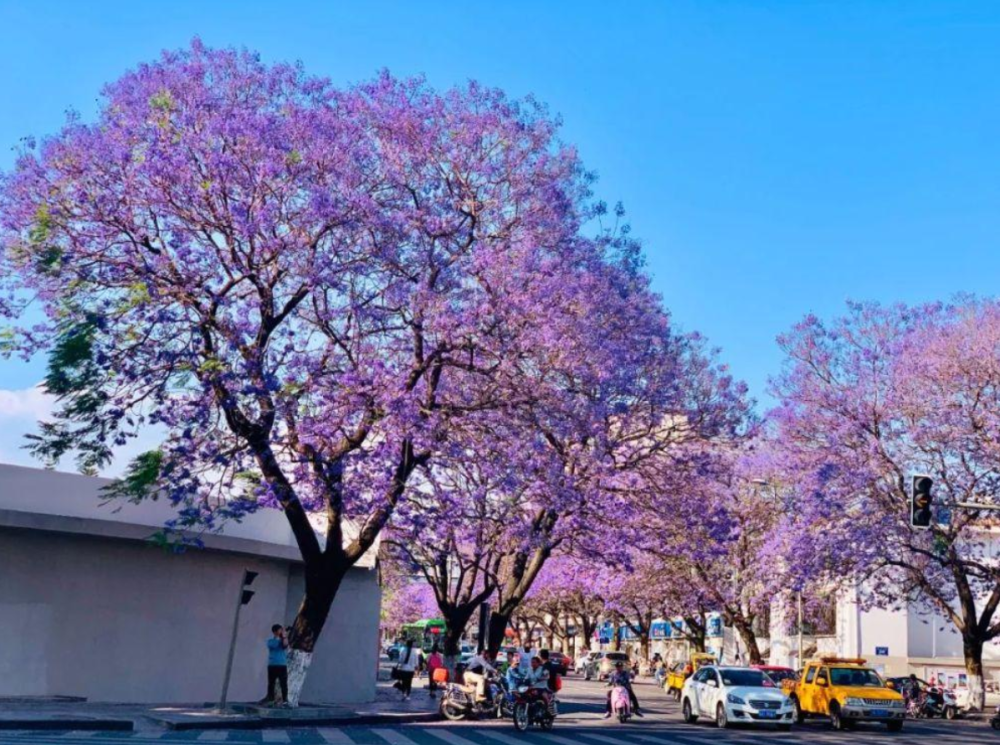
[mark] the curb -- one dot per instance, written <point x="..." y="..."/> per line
<point x="107" y="725"/>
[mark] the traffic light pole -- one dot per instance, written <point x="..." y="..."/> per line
<point x="977" y="506"/>
<point x="241" y="600"/>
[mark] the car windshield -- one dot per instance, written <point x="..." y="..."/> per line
<point x="750" y="678"/>
<point x="779" y="675"/>
<point x="854" y="676"/>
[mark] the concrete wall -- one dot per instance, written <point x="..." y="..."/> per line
<point x="88" y="607"/>
<point x="345" y="664"/>
<point x="120" y="620"/>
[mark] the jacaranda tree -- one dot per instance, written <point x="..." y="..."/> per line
<point x="868" y="401"/>
<point x="304" y="287"/>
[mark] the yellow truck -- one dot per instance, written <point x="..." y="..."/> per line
<point x="681" y="671"/>
<point x="846" y="691"/>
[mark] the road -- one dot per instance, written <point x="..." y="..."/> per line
<point x="580" y="723"/>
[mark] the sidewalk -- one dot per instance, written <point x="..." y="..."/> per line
<point x="75" y="714"/>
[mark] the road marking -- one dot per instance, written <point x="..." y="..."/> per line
<point x="394" y="737"/>
<point x="214" y="735"/>
<point x="335" y="736"/>
<point x="273" y="735"/>
<point x="562" y="740"/>
<point x="603" y="738"/>
<point x="505" y="739"/>
<point x="448" y="737"/>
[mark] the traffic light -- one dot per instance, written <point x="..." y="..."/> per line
<point x="921" y="502"/>
<point x="248" y="578"/>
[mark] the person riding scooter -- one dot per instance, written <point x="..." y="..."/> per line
<point x="621" y="677"/>
<point x="476" y="673"/>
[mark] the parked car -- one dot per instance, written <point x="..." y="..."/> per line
<point x="735" y="695"/>
<point x="560" y="661"/>
<point x="609" y="660"/>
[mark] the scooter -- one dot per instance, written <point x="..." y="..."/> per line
<point x="621" y="703"/>
<point x="459" y="701"/>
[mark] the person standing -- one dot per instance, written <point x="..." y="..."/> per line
<point x="434" y="662"/>
<point x="525" y="655"/>
<point x="408" y="660"/>
<point x="277" y="664"/>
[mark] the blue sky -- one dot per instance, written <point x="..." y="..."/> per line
<point x="777" y="158"/>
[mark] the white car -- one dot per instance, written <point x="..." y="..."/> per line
<point x="735" y="695"/>
<point x="583" y="660"/>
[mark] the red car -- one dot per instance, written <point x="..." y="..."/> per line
<point x="777" y="673"/>
<point x="561" y="662"/>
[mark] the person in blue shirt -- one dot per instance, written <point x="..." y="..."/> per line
<point x="277" y="664"/>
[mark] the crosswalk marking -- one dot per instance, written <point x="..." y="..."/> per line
<point x="274" y="735"/>
<point x="449" y="737"/>
<point x="335" y="737"/>
<point x="560" y="739"/>
<point x="499" y="737"/>
<point x="394" y="737"/>
<point x="602" y="738"/>
<point x="213" y="735"/>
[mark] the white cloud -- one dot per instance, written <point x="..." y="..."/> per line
<point x="27" y="404"/>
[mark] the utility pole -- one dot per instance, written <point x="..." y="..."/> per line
<point x="242" y="599"/>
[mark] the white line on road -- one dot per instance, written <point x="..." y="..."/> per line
<point x="448" y="737"/>
<point x="499" y="737"/>
<point x="214" y="735"/>
<point x="335" y="736"/>
<point x="561" y="740"/>
<point x="274" y="735"/>
<point x="394" y="737"/>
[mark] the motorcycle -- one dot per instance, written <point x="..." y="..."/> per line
<point x="459" y="701"/>
<point x="621" y="703"/>
<point x="531" y="708"/>
<point x="935" y="702"/>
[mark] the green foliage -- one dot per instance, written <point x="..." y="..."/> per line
<point x="75" y="379"/>
<point x="140" y="480"/>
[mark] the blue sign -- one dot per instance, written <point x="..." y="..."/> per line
<point x="881" y="651"/>
<point x="714" y="626"/>
<point x="659" y="630"/>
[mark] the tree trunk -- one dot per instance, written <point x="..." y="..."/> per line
<point x="644" y="645"/>
<point x="972" y="647"/>
<point x="749" y="638"/>
<point x="322" y="584"/>
<point x="589" y="626"/>
<point x="498" y="630"/>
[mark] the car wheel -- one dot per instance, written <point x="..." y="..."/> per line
<point x="798" y="715"/>
<point x="721" y="720"/>
<point x="686" y="712"/>
<point x="896" y="726"/>
<point x="836" y="721"/>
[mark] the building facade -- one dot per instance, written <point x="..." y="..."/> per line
<point x="90" y="607"/>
